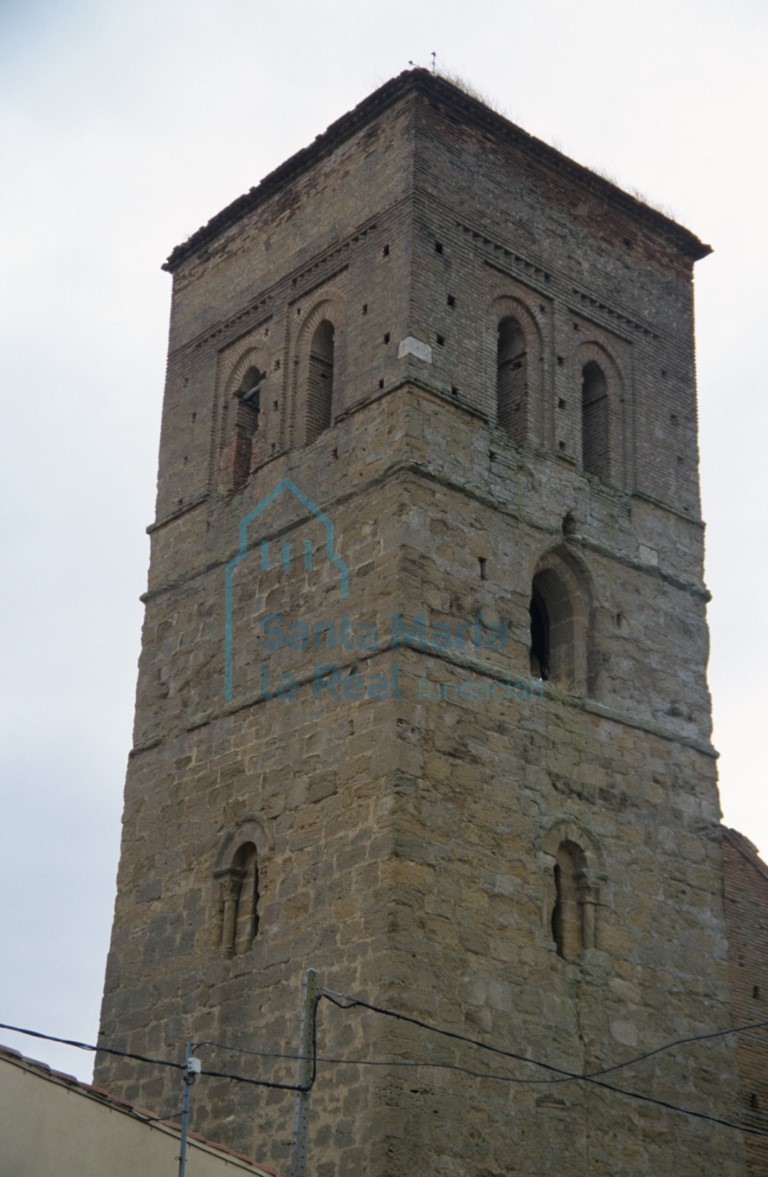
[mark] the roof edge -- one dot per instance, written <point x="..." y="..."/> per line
<point x="437" y="88"/>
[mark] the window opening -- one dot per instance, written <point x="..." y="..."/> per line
<point x="594" y="421"/>
<point x="320" y="382"/>
<point x="240" y="888"/>
<point x="512" y="380"/>
<point x="568" y="912"/>
<point x="247" y="413"/>
<point x="539" y="652"/>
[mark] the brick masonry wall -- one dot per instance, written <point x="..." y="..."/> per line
<point x="406" y="818"/>
<point x="746" y="910"/>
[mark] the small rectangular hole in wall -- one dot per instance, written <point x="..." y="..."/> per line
<point x="386" y="337"/>
<point x="755" y="990"/>
<point x="381" y="384"/>
<point x="277" y="365"/>
<point x="454" y="390"/>
<point x="194" y="417"/>
<point x="561" y="445"/>
<point x="481" y="562"/>
<point x="561" y="403"/>
<point x="576" y="327"/>
<point x="365" y="308"/>
<point x="560" y="360"/>
<point x="274" y="405"/>
<point x="451" y="301"/>
<point x="438" y="247"/>
<point x="385" y="251"/>
<point x="440" y="339"/>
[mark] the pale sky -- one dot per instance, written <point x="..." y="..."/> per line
<point x="124" y="127"/>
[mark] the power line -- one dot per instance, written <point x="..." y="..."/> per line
<point x="564" y="1077"/>
<point x="346" y="1002"/>
<point x="142" y="1058"/>
<point x="343" y="1001"/>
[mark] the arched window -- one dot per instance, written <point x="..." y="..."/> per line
<point x="568" y="927"/>
<point x="595" y="454"/>
<point x="539" y="635"/>
<point x="575" y="875"/>
<point x="248" y="408"/>
<point x="512" y="380"/>
<point x="240" y="900"/>
<point x="320" y="381"/>
<point x="554" y="636"/>
<point x="559" y="611"/>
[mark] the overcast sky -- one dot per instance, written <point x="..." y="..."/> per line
<point x="126" y="126"/>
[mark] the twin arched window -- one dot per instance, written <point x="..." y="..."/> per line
<point x="515" y="411"/>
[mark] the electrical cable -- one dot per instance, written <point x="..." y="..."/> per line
<point x="566" y="1078"/>
<point x="344" y="1001"/>
<point x="160" y="1062"/>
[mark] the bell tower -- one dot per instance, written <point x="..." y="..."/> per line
<point x="422" y="700"/>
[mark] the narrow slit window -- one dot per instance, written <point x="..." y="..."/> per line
<point x="512" y="380"/>
<point x="539" y="651"/>
<point x="240" y="893"/>
<point x="320" y="381"/>
<point x="568" y="912"/>
<point x="594" y="421"/>
<point x="247" y="414"/>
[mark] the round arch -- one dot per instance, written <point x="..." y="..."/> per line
<point x="561" y="620"/>
<point x="326" y="309"/>
<point x="519" y="369"/>
<point x="602" y="437"/>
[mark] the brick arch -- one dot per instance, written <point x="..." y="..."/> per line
<point x="248" y="358"/>
<point x="506" y="306"/>
<point x="329" y="307"/>
<point x="590" y="351"/>
<point x="237" y="450"/>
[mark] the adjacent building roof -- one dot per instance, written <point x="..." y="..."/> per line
<point x="35" y="1121"/>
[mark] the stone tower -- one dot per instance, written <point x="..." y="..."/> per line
<point x="422" y="700"/>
